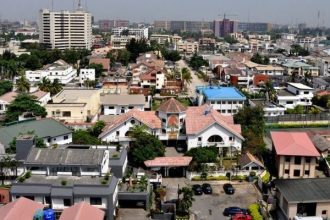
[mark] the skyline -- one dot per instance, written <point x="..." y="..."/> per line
<point x="293" y="11"/>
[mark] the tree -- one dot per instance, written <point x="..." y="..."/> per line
<point x="136" y="47"/>
<point x="297" y="50"/>
<point x="203" y="154"/>
<point x="45" y="84"/>
<point x="172" y="55"/>
<point x="299" y="109"/>
<point x="24" y="103"/>
<point x="98" y="69"/>
<point x="33" y="63"/>
<point x="23" y="85"/>
<point x="197" y="62"/>
<point x="186" y="76"/>
<point x="84" y="137"/>
<point x="145" y="146"/>
<point x="260" y="59"/>
<point x="229" y="39"/>
<point x="96" y="130"/>
<point x="253" y="124"/>
<point x="184" y="203"/>
<point x="5" y="86"/>
<point x="56" y="87"/>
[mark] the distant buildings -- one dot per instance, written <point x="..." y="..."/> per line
<point x="294" y="67"/>
<point x="107" y="25"/>
<point x="224" y="27"/>
<point x="187" y="47"/>
<point x="254" y="27"/>
<point x="136" y="32"/>
<point x="65" y="30"/>
<point x="60" y="70"/>
<point x="182" y="26"/>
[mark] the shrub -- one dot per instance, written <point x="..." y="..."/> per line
<point x="266" y="178"/>
<point x="21" y="179"/>
<point x="104" y="182"/>
<point x="254" y="211"/>
<point x="252" y="173"/>
<point x="64" y="182"/>
<point x="204" y="175"/>
<point x="28" y="174"/>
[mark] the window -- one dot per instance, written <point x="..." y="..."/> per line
<point x="307" y="172"/>
<point x="49" y="140"/>
<point x="212" y="102"/>
<point x="48" y="200"/>
<point x="53" y="112"/>
<point x="324" y="212"/>
<point x="132" y="122"/>
<point x="111" y="107"/>
<point x="287" y="159"/>
<point x="96" y="201"/>
<point x="289" y="102"/>
<point x="297" y="160"/>
<point x="199" y="138"/>
<point x="229" y="110"/>
<point x="307" y="159"/>
<point x="66" y="137"/>
<point x="164" y="120"/>
<point x="223" y="111"/>
<point x="66" y="114"/>
<point x="286" y="171"/>
<point x="164" y="131"/>
<point x="306" y="93"/>
<point x="117" y="133"/>
<point x="230" y="138"/>
<point x="296" y="173"/>
<point x="67" y="202"/>
<point x="234" y="102"/>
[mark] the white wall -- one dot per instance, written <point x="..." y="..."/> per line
<point x="59" y="140"/>
<point x="116" y="110"/>
<point x="86" y="74"/>
<point x="224" y="107"/>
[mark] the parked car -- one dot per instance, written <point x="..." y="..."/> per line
<point x="228" y="188"/>
<point x="207" y="189"/>
<point x="230" y="211"/>
<point x="197" y="189"/>
<point x="241" y="217"/>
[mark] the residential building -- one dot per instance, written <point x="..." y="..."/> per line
<point x="7" y="98"/>
<point x="162" y="25"/>
<point x="194" y="126"/>
<point x="60" y="70"/>
<point x="224" y="27"/>
<point x="295" y="154"/>
<point x="22" y="208"/>
<point x="254" y="27"/>
<point x="82" y="211"/>
<point x="269" y="70"/>
<point x="50" y="130"/>
<point x="120" y="42"/>
<point x="271" y="109"/>
<point x="294" y="94"/>
<point x="183" y="26"/>
<point x="86" y="74"/>
<point x="187" y="47"/>
<point x="138" y="33"/>
<point x="303" y="197"/>
<point x="293" y="67"/>
<point x="161" y="38"/>
<point x="120" y="104"/>
<point x="75" y="105"/>
<point x="324" y="65"/>
<point x="107" y="25"/>
<point x="65" y="30"/>
<point x="105" y="62"/>
<point x="250" y="162"/>
<point x="152" y="78"/>
<point x="226" y="100"/>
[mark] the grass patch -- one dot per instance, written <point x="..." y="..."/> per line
<point x="280" y="126"/>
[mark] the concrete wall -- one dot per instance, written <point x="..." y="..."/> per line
<point x="291" y="166"/>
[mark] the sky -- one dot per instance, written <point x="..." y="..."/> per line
<point x="273" y="11"/>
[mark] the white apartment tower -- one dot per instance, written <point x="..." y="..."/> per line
<point x="66" y="30"/>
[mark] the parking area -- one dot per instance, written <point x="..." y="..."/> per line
<point x="211" y="206"/>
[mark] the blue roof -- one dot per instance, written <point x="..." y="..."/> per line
<point x="221" y="93"/>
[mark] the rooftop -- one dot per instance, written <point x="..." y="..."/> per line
<point x="168" y="162"/>
<point x="10" y="96"/>
<point x="70" y="96"/>
<point x="248" y="158"/>
<point x="82" y="211"/>
<point x="300" y="86"/>
<point x="46" y="156"/>
<point x="111" y="99"/>
<point x="295" y="64"/>
<point x="70" y="180"/>
<point x="172" y="106"/>
<point x="42" y="128"/>
<point x="221" y="93"/>
<point x="304" y="190"/>
<point x="22" y="208"/>
<point x="293" y="144"/>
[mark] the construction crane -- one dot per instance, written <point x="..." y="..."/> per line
<point x="224" y="15"/>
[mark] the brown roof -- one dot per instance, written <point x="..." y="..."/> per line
<point x="248" y="158"/>
<point x="168" y="162"/>
<point x="149" y="118"/>
<point x="150" y="75"/>
<point x="82" y="211"/>
<point x="22" y="209"/>
<point x="105" y="62"/>
<point x="172" y="106"/>
<point x="10" y="96"/>
<point x="200" y="118"/>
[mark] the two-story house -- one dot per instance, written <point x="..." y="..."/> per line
<point x="294" y="94"/>
<point x="120" y="104"/>
<point x="295" y="154"/>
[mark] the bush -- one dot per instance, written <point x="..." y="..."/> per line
<point x="28" y="174"/>
<point x="314" y="125"/>
<point x="254" y="212"/>
<point x="64" y="182"/>
<point x="266" y="178"/>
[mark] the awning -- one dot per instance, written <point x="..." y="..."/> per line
<point x="168" y="162"/>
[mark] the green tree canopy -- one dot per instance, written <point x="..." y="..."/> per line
<point x="144" y="147"/>
<point x="229" y="39"/>
<point x="24" y="103"/>
<point x="5" y="86"/>
<point x="136" y="47"/>
<point x="84" y="137"/>
<point x="98" y="69"/>
<point x="184" y="202"/>
<point x="297" y="50"/>
<point x="203" y="154"/>
<point x="23" y="85"/>
<point x="260" y="59"/>
<point x="197" y="62"/>
<point x="171" y="55"/>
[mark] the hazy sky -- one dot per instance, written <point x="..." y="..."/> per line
<point x="275" y="11"/>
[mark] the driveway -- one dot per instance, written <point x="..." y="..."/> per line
<point x="131" y="214"/>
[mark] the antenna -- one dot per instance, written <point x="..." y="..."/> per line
<point x="79" y="4"/>
<point x="318" y="18"/>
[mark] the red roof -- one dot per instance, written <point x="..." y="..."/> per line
<point x="172" y="106"/>
<point x="150" y="75"/>
<point x="22" y="209"/>
<point x="82" y="211"/>
<point x="197" y="120"/>
<point x="10" y="96"/>
<point x="293" y="144"/>
<point x="168" y="162"/>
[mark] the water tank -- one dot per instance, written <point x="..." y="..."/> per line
<point x="49" y="214"/>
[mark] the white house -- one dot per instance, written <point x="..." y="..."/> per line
<point x="152" y="78"/>
<point x="295" y="94"/>
<point x="270" y="108"/>
<point x="195" y="126"/>
<point x="113" y="104"/>
<point x="7" y="98"/>
<point x="86" y="74"/>
<point x="60" y="70"/>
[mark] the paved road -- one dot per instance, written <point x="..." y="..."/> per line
<point x="195" y="80"/>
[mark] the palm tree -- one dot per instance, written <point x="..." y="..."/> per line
<point x="56" y="87"/>
<point x="186" y="76"/>
<point x="184" y="202"/>
<point x="23" y="85"/>
<point x="45" y="85"/>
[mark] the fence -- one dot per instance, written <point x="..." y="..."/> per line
<point x="298" y="118"/>
<point x="190" y="175"/>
